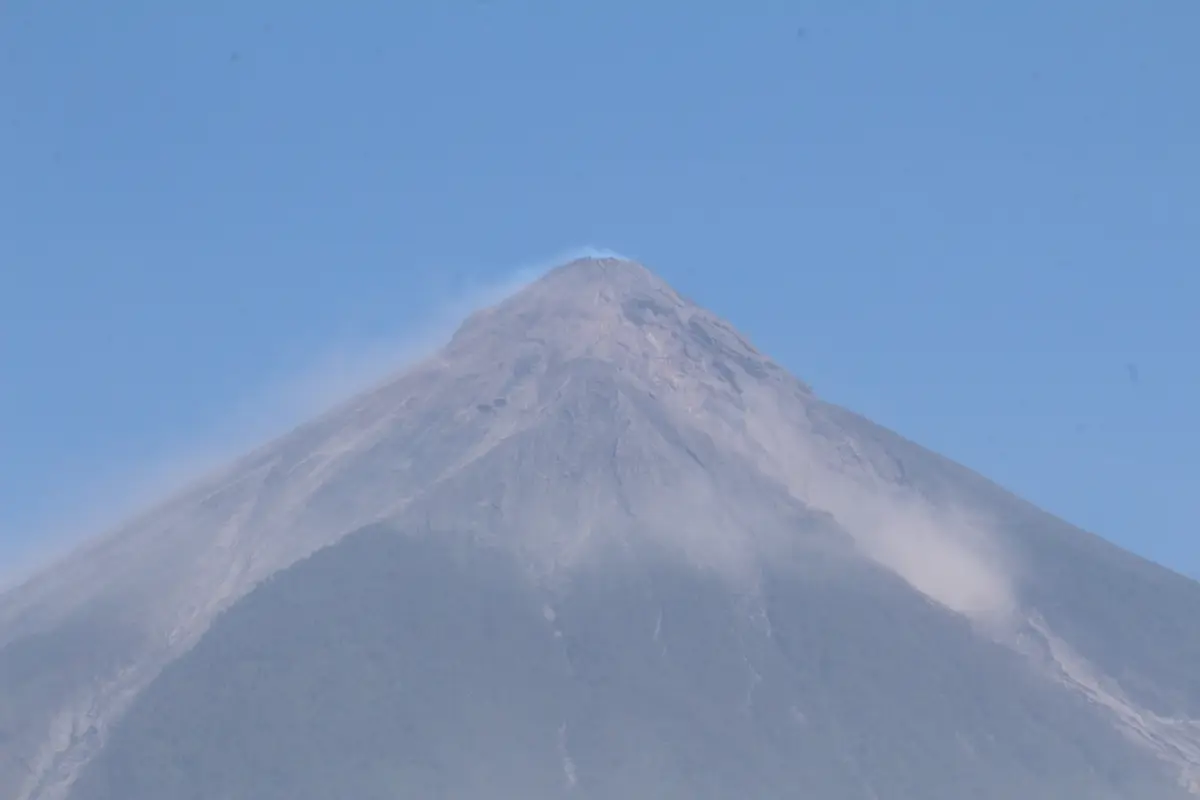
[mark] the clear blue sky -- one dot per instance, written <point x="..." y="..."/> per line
<point x="963" y="219"/>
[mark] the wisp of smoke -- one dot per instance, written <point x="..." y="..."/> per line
<point x="338" y="372"/>
<point x="944" y="554"/>
<point x="947" y="554"/>
<point x="951" y="555"/>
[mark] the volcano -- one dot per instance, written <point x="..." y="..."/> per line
<point x="598" y="546"/>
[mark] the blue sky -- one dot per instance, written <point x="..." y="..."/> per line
<point x="964" y="220"/>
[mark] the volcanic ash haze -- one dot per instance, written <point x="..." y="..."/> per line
<point x="598" y="546"/>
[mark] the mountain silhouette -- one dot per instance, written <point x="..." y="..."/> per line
<point x="598" y="546"/>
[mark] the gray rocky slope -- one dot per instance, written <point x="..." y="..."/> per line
<point x="598" y="546"/>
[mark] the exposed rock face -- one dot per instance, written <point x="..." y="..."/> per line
<point x="598" y="546"/>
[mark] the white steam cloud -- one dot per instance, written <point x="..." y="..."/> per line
<point x="948" y="554"/>
<point x="945" y="554"/>
<point x="952" y="555"/>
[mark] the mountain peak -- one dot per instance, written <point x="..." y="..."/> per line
<point x="616" y="311"/>
<point x="599" y="283"/>
<point x="616" y="274"/>
<point x="590" y="283"/>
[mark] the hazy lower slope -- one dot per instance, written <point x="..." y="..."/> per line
<point x="604" y="547"/>
<point x="400" y="665"/>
